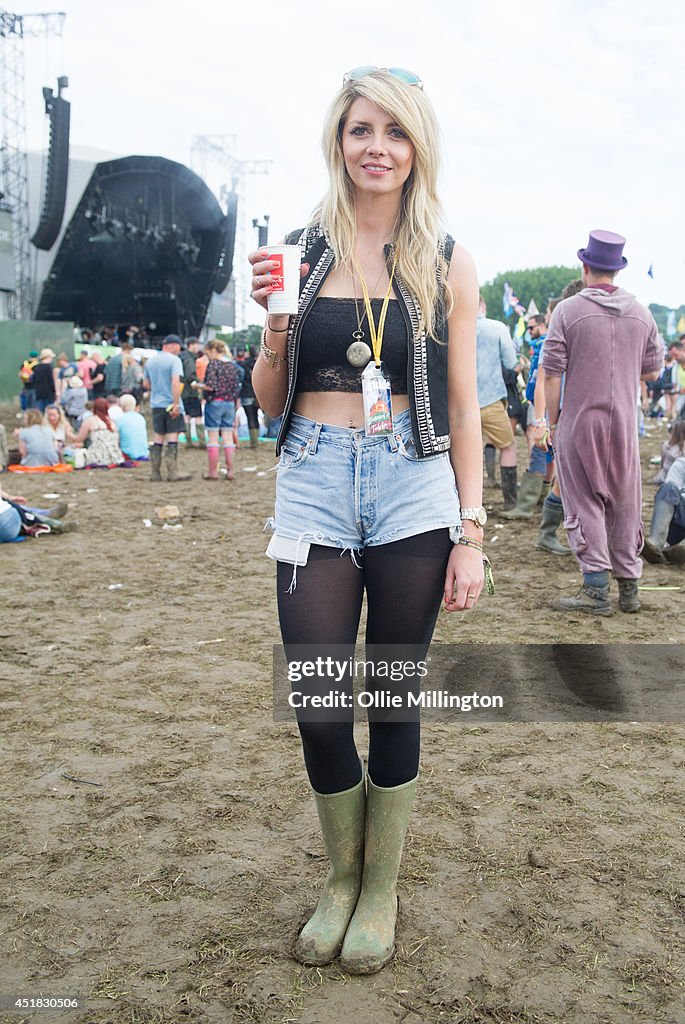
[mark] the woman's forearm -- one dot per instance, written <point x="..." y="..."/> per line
<point x="270" y="371"/>
<point x="466" y="455"/>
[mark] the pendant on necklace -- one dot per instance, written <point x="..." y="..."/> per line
<point x="359" y="353"/>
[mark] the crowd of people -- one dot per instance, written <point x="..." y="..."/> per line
<point x="89" y="410"/>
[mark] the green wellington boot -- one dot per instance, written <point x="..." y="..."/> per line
<point x="370" y="939"/>
<point x="342" y="824"/>
<point x="171" y="462"/>
<point x="552" y="518"/>
<point x="529" y="493"/>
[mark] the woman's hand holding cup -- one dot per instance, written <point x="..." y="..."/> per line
<point x="265" y="283"/>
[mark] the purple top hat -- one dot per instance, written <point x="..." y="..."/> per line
<point x="604" y="251"/>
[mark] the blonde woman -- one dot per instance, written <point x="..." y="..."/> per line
<point x="379" y="479"/>
<point x="221" y="389"/>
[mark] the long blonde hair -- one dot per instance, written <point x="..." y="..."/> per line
<point x="419" y="226"/>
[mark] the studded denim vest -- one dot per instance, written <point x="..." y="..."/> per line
<point x="426" y="356"/>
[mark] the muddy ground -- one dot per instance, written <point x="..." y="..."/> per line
<point x="160" y="847"/>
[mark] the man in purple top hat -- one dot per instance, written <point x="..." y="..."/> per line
<point x="603" y="342"/>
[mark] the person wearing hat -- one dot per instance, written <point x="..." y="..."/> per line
<point x="163" y="377"/>
<point x="74" y="399"/>
<point x="44" y="379"/>
<point x="604" y="342"/>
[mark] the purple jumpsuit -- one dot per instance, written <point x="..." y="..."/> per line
<point x="603" y="341"/>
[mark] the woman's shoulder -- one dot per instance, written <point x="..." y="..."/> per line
<point x="462" y="268"/>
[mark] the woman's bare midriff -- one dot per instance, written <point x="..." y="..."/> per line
<point x="339" y="408"/>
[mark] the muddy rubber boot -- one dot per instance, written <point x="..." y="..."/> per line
<point x="544" y="491"/>
<point x="156" y="463"/>
<point x="342" y="824"/>
<point x="529" y="492"/>
<point x="591" y="598"/>
<point x="370" y="939"/>
<point x="201" y="436"/>
<point x="171" y="461"/>
<point x="509" y="487"/>
<point x="552" y="518"/>
<point x="254" y="437"/>
<point x="628" y="599"/>
<point x="57" y="511"/>
<point x="653" y="550"/>
<point x="675" y="554"/>
<point x="56" y="525"/>
<point x="490" y="465"/>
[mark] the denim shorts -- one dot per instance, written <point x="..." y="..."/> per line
<point x="219" y="415"/>
<point x="10" y="524"/>
<point x="341" y="489"/>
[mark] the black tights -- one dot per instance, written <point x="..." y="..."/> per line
<point x="404" y="584"/>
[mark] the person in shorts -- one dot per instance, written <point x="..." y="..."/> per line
<point x="163" y="377"/>
<point x="221" y="388"/>
<point x="191" y="396"/>
<point x="379" y="484"/>
<point x="496" y="353"/>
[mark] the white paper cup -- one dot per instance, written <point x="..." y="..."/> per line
<point x="285" y="278"/>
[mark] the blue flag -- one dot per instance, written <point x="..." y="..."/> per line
<point x="650" y="272"/>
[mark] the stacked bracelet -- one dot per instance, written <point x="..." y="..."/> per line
<point x="272" y="358"/>
<point x="471" y="542"/>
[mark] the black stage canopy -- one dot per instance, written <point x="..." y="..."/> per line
<point x="144" y="246"/>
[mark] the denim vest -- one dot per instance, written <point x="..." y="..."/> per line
<point x="426" y="356"/>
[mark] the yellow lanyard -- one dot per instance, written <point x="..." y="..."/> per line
<point x="376" y="332"/>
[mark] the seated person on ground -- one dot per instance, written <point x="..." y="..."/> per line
<point x="36" y="442"/>
<point x="132" y="430"/>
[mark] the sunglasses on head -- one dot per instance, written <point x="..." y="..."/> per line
<point x="408" y="77"/>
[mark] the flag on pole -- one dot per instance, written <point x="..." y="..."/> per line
<point x="520" y="327"/>
<point x="670" y="324"/>
<point x="650" y="272"/>
<point x="681" y="325"/>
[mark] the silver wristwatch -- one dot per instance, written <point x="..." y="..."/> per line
<point x="477" y="515"/>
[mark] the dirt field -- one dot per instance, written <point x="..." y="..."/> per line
<point x="159" y="843"/>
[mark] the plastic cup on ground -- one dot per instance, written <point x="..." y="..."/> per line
<point x="285" y="279"/>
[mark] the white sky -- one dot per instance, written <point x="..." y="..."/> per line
<point x="557" y="117"/>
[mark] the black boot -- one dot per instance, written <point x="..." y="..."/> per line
<point x="628" y="599"/>
<point x="156" y="463"/>
<point x="509" y="486"/>
<point x="528" y="495"/>
<point x="490" y="463"/>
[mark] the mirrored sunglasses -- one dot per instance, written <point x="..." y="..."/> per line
<point x="408" y="77"/>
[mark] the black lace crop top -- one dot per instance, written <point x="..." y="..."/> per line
<point x="326" y="336"/>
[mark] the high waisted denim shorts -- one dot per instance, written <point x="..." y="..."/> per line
<point x="339" y="488"/>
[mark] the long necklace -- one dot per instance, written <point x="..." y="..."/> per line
<point x="359" y="353"/>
